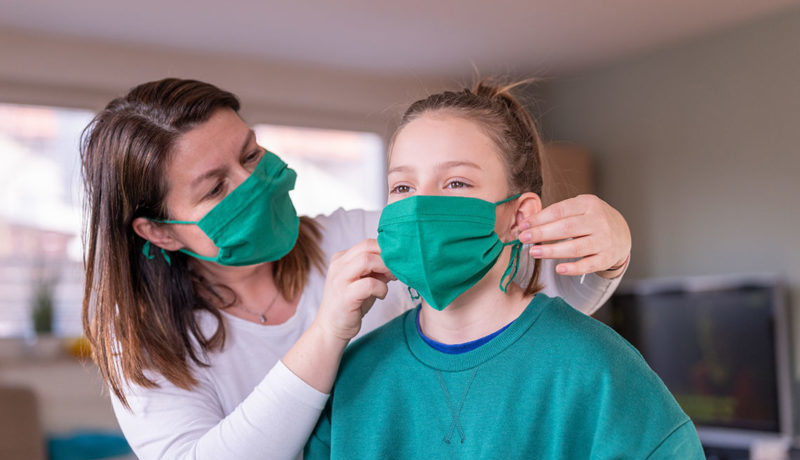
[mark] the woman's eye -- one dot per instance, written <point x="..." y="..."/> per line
<point x="253" y="156"/>
<point x="214" y="192"/>
<point x="401" y="189"/>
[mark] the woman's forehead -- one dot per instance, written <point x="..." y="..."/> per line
<point x="208" y="144"/>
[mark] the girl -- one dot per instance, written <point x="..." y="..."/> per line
<point x="484" y="368"/>
<point x="204" y="295"/>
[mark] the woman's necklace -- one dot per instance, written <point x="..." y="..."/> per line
<point x="263" y="315"/>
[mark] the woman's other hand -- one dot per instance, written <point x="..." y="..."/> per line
<point x="585" y="228"/>
<point x="356" y="277"/>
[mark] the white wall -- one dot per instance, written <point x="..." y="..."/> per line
<point x="37" y="69"/>
<point x="699" y="146"/>
<point x="82" y="73"/>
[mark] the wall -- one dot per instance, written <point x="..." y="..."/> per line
<point x="698" y="146"/>
<point x="38" y="69"/>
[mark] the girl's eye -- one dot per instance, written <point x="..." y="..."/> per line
<point x="401" y="189"/>
<point x="456" y="184"/>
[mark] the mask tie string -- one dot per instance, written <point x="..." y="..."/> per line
<point x="513" y="265"/>
<point x="146" y="252"/>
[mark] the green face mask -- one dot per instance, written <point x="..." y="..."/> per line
<point x="442" y="245"/>
<point x="256" y="222"/>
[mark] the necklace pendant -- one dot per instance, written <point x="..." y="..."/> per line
<point x="262" y="318"/>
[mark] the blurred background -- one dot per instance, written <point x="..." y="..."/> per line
<point x="683" y="115"/>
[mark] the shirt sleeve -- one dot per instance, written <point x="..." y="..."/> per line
<point x="584" y="293"/>
<point x="275" y="420"/>
<point x="681" y="443"/>
<point x="343" y="229"/>
<point x="319" y="444"/>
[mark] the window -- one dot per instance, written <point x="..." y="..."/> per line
<point x="40" y="217"/>
<point x="41" y="202"/>
<point x="334" y="168"/>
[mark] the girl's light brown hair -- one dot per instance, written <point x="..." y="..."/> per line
<point x="139" y="314"/>
<point x="508" y="124"/>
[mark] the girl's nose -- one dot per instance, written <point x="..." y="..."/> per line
<point x="428" y="188"/>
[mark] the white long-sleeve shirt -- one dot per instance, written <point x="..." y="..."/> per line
<point x="247" y="404"/>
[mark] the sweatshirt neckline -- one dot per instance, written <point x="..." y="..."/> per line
<point x="464" y="361"/>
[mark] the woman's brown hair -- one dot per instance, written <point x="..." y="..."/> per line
<point x="139" y="314"/>
<point x="506" y="121"/>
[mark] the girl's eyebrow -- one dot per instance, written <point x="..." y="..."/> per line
<point x="438" y="167"/>
<point x="453" y="164"/>
<point x="399" y="169"/>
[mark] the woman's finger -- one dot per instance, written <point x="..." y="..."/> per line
<point x="585" y="265"/>
<point x="385" y="277"/>
<point x="368" y="245"/>
<point x="364" y="288"/>
<point x="360" y="265"/>
<point x="569" y="249"/>
<point x="568" y="227"/>
<point x="563" y="209"/>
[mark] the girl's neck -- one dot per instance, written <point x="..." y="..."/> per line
<point x="478" y="312"/>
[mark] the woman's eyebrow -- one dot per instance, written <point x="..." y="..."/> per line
<point x="250" y="135"/>
<point x="221" y="170"/>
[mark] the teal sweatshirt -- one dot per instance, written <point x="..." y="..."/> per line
<point x="556" y="384"/>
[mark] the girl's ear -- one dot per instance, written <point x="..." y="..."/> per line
<point x="156" y="234"/>
<point x="528" y="205"/>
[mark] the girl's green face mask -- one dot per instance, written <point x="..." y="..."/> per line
<point x="442" y="245"/>
<point x="256" y="222"/>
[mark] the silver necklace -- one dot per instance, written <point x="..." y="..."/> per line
<point x="263" y="315"/>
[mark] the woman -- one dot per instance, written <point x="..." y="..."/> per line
<point x="482" y="368"/>
<point x="206" y="300"/>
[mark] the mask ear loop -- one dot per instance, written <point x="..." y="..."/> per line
<point x="513" y="265"/>
<point x="511" y="198"/>
<point x="410" y="294"/>
<point x="146" y="252"/>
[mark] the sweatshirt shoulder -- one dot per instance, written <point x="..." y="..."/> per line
<point x="594" y="351"/>
<point x="382" y="344"/>
<point x="582" y="333"/>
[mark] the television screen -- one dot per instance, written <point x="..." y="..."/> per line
<point x="714" y="348"/>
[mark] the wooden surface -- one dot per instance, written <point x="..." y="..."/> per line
<point x="567" y="171"/>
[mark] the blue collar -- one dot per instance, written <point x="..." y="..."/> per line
<point x="458" y="348"/>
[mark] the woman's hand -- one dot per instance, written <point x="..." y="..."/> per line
<point x="356" y="277"/>
<point x="584" y="227"/>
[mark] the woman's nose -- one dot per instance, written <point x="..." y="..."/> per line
<point x="239" y="174"/>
